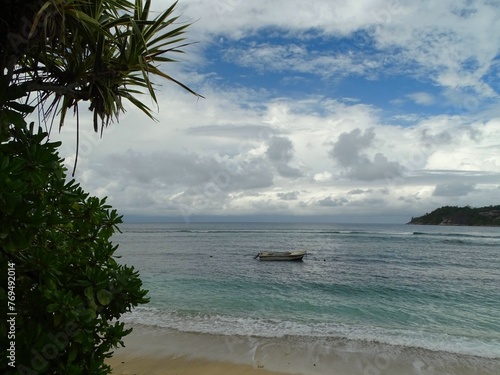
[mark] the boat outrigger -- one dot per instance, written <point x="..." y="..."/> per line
<point x="281" y="255"/>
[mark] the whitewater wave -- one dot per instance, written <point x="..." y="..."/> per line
<point x="217" y="324"/>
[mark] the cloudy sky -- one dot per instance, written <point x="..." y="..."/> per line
<point x="349" y="111"/>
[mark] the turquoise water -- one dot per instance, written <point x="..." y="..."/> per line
<point x="419" y="287"/>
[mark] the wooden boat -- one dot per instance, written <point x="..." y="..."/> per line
<point x="281" y="255"/>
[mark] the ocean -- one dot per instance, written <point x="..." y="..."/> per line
<point x="367" y="299"/>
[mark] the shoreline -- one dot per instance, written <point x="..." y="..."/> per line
<point x="152" y="350"/>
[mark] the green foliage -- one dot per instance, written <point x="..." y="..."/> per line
<point x="99" y="51"/>
<point x="452" y="215"/>
<point x="69" y="289"/>
<point x="55" y="238"/>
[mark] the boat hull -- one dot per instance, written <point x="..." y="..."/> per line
<point x="281" y="256"/>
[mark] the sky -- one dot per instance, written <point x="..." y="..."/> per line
<point x="329" y="110"/>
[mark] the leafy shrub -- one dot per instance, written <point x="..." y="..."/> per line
<point x="69" y="289"/>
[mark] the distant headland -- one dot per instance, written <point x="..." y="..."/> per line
<point x="452" y="215"/>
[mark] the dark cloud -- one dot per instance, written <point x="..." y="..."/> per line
<point x="280" y="150"/>
<point x="359" y="191"/>
<point x="280" y="153"/>
<point x="287" y="171"/>
<point x="379" y="168"/>
<point x="347" y="151"/>
<point x="166" y="168"/>
<point x="453" y="190"/>
<point x="332" y="202"/>
<point x="348" y="148"/>
<point x="175" y="171"/>
<point x="288" y="196"/>
<point x="430" y="140"/>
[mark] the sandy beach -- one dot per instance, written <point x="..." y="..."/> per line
<point x="154" y="351"/>
<point x="125" y="365"/>
<point x="149" y="351"/>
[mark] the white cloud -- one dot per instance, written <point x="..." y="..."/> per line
<point x="199" y="163"/>
<point x="448" y="39"/>
<point x="244" y="150"/>
<point x="293" y="58"/>
<point x="322" y="177"/>
<point x="453" y="43"/>
<point x="422" y="98"/>
<point x="236" y="18"/>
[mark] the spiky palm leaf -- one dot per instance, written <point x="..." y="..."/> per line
<point x="100" y="51"/>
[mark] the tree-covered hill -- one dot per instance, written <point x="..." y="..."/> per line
<point x="452" y="215"/>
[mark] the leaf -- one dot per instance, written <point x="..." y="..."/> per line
<point x="13" y="117"/>
<point x="89" y="293"/>
<point x="25" y="108"/>
<point x="72" y="354"/>
<point x="57" y="318"/>
<point x="103" y="296"/>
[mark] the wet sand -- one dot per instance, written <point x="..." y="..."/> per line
<point x="124" y="365"/>
<point x="153" y="351"/>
